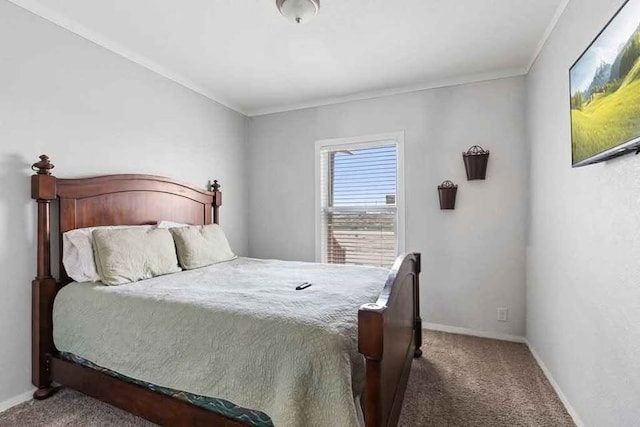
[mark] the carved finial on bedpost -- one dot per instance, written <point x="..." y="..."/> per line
<point x="44" y="166"/>
<point x="43" y="190"/>
<point x="217" y="201"/>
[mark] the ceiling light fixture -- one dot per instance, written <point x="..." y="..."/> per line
<point x="298" y="11"/>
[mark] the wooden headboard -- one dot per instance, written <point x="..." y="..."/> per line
<point x="90" y="202"/>
<point x="114" y="200"/>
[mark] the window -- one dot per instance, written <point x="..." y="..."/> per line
<point x="360" y="200"/>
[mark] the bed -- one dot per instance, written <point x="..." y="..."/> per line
<point x="372" y="344"/>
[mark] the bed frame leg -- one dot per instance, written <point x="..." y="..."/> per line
<point x="45" y="392"/>
<point x="417" y="326"/>
<point x="418" y="338"/>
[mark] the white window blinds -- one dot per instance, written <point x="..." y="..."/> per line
<point x="359" y="214"/>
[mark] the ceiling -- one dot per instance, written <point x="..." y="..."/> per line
<point x="243" y="54"/>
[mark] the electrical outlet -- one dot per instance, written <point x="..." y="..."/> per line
<point x="502" y="314"/>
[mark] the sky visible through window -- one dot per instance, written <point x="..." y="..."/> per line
<point x="365" y="177"/>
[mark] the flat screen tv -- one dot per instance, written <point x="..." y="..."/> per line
<point x="605" y="91"/>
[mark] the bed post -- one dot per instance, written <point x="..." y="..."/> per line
<point x="44" y="286"/>
<point x="217" y="201"/>
<point x="389" y="336"/>
<point x="417" y="329"/>
<point x="370" y="345"/>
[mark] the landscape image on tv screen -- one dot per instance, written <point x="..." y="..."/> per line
<point x="605" y="90"/>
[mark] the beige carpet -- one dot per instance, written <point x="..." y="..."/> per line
<point x="469" y="381"/>
<point x="459" y="381"/>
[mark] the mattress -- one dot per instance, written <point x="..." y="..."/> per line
<point x="237" y="331"/>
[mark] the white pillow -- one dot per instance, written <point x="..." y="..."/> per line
<point x="77" y="252"/>
<point x="171" y="224"/>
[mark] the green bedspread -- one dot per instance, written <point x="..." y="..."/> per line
<point x="236" y="331"/>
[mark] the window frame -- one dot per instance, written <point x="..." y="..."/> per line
<point x="354" y="143"/>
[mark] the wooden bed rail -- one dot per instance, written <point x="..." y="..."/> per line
<point x="389" y="336"/>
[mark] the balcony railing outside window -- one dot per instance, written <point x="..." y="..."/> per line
<point x="359" y="215"/>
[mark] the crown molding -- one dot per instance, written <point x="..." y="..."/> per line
<point x="474" y="78"/>
<point x="547" y="32"/>
<point x="37" y="8"/>
<point x="60" y="20"/>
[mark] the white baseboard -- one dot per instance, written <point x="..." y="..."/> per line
<point x="572" y="412"/>
<point x="473" y="332"/>
<point x="16" y="400"/>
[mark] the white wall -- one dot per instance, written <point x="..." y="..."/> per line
<point x="93" y="112"/>
<point x="583" y="292"/>
<point x="473" y="257"/>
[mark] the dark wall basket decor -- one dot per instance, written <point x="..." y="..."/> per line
<point x="447" y="192"/>
<point x="475" y="162"/>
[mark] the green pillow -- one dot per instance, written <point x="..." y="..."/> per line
<point x="131" y="254"/>
<point x="201" y="245"/>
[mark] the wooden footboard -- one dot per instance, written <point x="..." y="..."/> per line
<point x="389" y="337"/>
